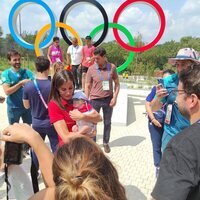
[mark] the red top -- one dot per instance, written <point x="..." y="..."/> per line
<point x="57" y="114"/>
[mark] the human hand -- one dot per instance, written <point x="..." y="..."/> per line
<point x="18" y="133"/>
<point x="156" y="123"/>
<point x="2" y="99"/>
<point x="76" y="115"/>
<point x="113" y="102"/>
<point x="160" y="91"/>
<point x="23" y="82"/>
<point x="75" y="128"/>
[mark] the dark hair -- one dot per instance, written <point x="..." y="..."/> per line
<point x="56" y="38"/>
<point x="168" y="71"/>
<point x="42" y="64"/>
<point x="82" y="171"/>
<point x="58" y="80"/>
<point x="100" y="51"/>
<point x="88" y="37"/>
<point x="190" y="78"/>
<point x="11" y="53"/>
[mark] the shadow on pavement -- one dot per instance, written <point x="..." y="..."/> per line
<point x="127" y="141"/>
<point x="133" y="193"/>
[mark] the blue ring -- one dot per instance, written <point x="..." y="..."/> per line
<point x="17" y="7"/>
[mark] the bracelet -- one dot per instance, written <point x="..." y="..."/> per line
<point x="152" y="120"/>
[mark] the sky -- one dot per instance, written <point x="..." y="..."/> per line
<point x="182" y="18"/>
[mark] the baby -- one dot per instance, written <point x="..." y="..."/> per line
<point x="81" y="102"/>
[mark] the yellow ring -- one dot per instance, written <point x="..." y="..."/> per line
<point x="46" y="28"/>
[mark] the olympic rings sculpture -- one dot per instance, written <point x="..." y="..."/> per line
<point x="63" y="17"/>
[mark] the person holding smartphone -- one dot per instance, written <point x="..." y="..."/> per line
<point x="174" y="120"/>
<point x="156" y="121"/>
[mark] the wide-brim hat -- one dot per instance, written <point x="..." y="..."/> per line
<point x="80" y="95"/>
<point x="185" y="54"/>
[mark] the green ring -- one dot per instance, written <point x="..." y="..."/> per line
<point x="128" y="35"/>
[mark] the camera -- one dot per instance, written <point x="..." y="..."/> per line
<point x="13" y="153"/>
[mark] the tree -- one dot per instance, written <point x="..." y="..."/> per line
<point x="1" y="31"/>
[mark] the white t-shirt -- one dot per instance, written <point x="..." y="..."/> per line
<point x="76" y="54"/>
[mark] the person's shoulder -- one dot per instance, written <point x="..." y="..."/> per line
<point x="45" y="194"/>
<point x="50" y="47"/>
<point x="53" y="104"/>
<point x="29" y="85"/>
<point x="187" y="137"/>
<point x="5" y="72"/>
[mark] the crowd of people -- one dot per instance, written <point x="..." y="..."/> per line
<point x="76" y="167"/>
<point x="49" y="103"/>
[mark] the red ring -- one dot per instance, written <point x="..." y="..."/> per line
<point x="159" y="11"/>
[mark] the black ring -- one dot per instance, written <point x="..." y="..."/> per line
<point x="66" y="11"/>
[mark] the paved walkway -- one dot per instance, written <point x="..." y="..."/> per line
<point x="131" y="150"/>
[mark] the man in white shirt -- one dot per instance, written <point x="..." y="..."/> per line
<point x="75" y="54"/>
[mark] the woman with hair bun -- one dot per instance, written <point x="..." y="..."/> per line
<point x="80" y="170"/>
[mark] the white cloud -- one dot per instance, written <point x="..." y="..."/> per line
<point x="135" y="18"/>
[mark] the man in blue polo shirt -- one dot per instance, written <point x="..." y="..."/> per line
<point x="13" y="80"/>
<point x="174" y="121"/>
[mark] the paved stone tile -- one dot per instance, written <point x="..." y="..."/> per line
<point x="131" y="150"/>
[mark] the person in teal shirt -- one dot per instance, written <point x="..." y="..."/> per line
<point x="174" y="120"/>
<point x="13" y="80"/>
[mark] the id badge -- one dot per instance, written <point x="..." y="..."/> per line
<point x="168" y="114"/>
<point x="106" y="85"/>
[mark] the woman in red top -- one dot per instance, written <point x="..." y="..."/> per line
<point x="61" y="111"/>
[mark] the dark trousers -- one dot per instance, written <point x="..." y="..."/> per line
<point x="53" y="138"/>
<point x="14" y="115"/>
<point x="103" y="103"/>
<point x="156" y="139"/>
<point x="77" y="75"/>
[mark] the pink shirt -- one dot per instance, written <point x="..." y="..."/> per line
<point x="95" y="75"/>
<point x="87" y="55"/>
<point x="56" y="54"/>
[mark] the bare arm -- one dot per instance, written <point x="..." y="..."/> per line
<point x="87" y="89"/>
<point x="68" y="59"/>
<point x="151" y="115"/>
<point x="12" y="89"/>
<point x="84" y="130"/>
<point x="156" y="103"/>
<point x="45" y="194"/>
<point x="116" y="92"/>
<point x="18" y="133"/>
<point x="49" y="54"/>
<point x="93" y="116"/>
<point x="26" y="104"/>
<point x="62" y="130"/>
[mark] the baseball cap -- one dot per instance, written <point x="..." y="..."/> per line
<point x="88" y="37"/>
<point x="80" y="95"/>
<point x="185" y="54"/>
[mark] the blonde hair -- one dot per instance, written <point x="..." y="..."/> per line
<point x="82" y="172"/>
<point x="57" y="65"/>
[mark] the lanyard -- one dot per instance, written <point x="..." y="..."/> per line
<point x="76" y="49"/>
<point x="40" y="94"/>
<point x="99" y="73"/>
